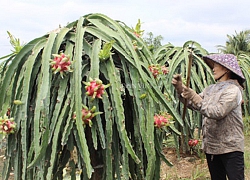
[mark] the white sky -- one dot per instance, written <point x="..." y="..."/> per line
<point x="207" y="22"/>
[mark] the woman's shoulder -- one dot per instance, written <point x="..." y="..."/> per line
<point x="233" y="85"/>
<point x="229" y="85"/>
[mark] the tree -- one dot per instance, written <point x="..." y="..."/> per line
<point x="153" y="42"/>
<point x="237" y="44"/>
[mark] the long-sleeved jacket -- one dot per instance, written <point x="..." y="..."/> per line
<point x="222" y="126"/>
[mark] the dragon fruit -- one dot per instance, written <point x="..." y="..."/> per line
<point x="7" y="125"/>
<point x="193" y="142"/>
<point x="162" y="120"/>
<point x="61" y="63"/>
<point x="95" y="88"/>
<point x="164" y="70"/>
<point x="87" y="115"/>
<point x="156" y="69"/>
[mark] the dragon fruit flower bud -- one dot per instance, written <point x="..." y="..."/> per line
<point x="18" y="102"/>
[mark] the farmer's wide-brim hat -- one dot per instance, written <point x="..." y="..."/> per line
<point x="229" y="61"/>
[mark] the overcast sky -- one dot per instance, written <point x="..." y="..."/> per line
<point x="207" y="22"/>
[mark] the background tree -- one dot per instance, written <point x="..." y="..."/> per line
<point x="153" y="42"/>
<point x="237" y="44"/>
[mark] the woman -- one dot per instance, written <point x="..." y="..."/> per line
<point x="222" y="126"/>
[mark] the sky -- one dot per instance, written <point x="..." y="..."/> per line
<point x="207" y="22"/>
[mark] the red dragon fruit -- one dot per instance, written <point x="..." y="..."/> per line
<point x="164" y="70"/>
<point x="61" y="63"/>
<point x="95" y="88"/>
<point x="7" y="125"/>
<point x="87" y="115"/>
<point x="162" y="120"/>
<point x="193" y="142"/>
<point x="156" y="69"/>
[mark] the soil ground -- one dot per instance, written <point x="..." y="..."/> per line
<point x="188" y="167"/>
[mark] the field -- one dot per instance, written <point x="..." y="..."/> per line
<point x="186" y="167"/>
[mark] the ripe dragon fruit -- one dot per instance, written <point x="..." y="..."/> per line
<point x="61" y="63"/>
<point x="95" y="88"/>
<point x="193" y="142"/>
<point x="156" y="69"/>
<point x="162" y="120"/>
<point x="87" y="115"/>
<point x="7" y="125"/>
<point x="164" y="70"/>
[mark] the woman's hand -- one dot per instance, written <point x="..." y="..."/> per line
<point x="190" y="94"/>
<point x="177" y="82"/>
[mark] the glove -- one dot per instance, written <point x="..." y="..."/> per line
<point x="177" y="82"/>
<point x="190" y="94"/>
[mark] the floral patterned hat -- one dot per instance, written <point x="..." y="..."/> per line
<point x="227" y="60"/>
